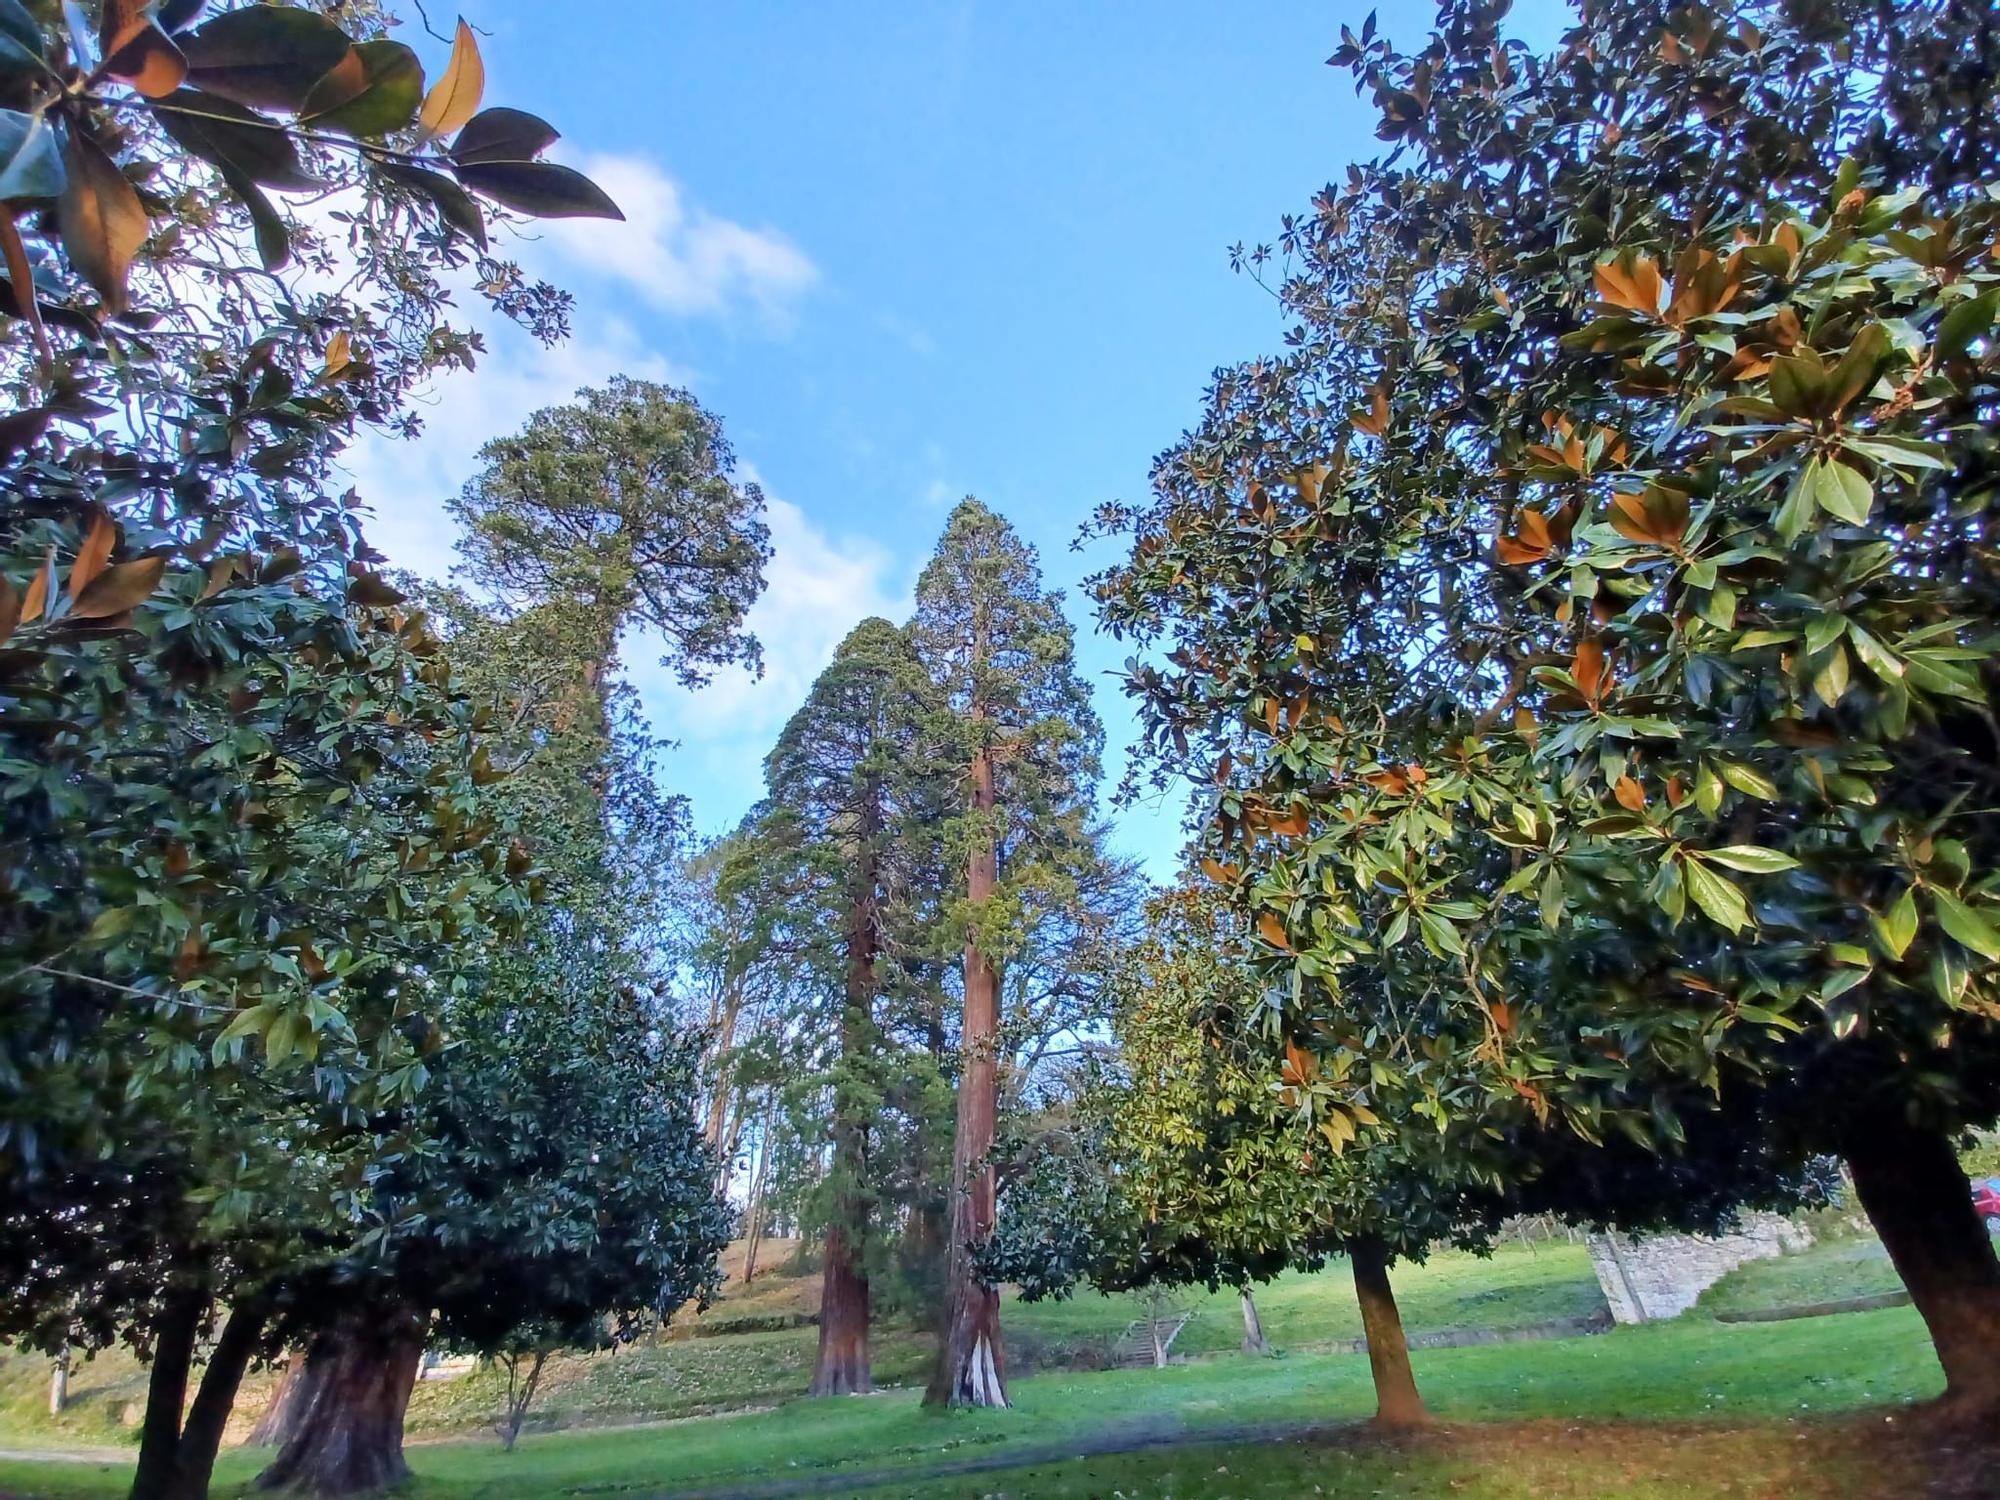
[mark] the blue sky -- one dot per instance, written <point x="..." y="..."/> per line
<point x="906" y="253"/>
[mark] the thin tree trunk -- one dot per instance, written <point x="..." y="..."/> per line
<point x="725" y="1036"/>
<point x="971" y="1369"/>
<point x="1253" y="1326"/>
<point x="841" y="1366"/>
<point x="349" y="1438"/>
<point x="166" y="1392"/>
<point x="1397" y="1403"/>
<point x="1920" y="1202"/>
<point x="59" y="1383"/>
<point x="755" y="1226"/>
<point x="281" y="1418"/>
<point x="201" y="1434"/>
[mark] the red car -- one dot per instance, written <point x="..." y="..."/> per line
<point x="1986" y="1201"/>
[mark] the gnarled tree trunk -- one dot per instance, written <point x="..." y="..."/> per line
<point x="349" y="1434"/>
<point x="1397" y="1403"/>
<point x="1253" y="1326"/>
<point x="972" y="1368"/>
<point x="281" y="1418"/>
<point x="1920" y="1202"/>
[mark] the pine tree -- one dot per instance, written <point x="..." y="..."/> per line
<point x="1001" y="652"/>
<point x="624" y="501"/>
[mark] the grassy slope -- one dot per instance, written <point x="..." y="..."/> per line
<point x="1691" y="1369"/>
<point x="688" y="1376"/>
<point x="1515" y="1288"/>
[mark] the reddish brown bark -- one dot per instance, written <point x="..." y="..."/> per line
<point x="281" y="1418"/>
<point x="972" y="1369"/>
<point x="1917" y="1196"/>
<point x="359" y="1375"/>
<point x="1397" y="1403"/>
<point x="841" y="1367"/>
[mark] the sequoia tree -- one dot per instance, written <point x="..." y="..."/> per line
<point x="1000" y="651"/>
<point x="854" y="781"/>
<point x="1584" y="625"/>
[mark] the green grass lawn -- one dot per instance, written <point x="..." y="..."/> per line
<point x="695" y="1376"/>
<point x="1690" y="1369"/>
<point x="1828" y="1272"/>
<point x="1515" y="1287"/>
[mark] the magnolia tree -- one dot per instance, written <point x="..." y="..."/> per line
<point x="1585" y="625"/>
<point x="246" y="807"/>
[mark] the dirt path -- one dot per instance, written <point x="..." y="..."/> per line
<point x="67" y="1455"/>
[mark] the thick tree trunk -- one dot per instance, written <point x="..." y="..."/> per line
<point x="201" y="1435"/>
<point x="972" y="1366"/>
<point x="1253" y="1326"/>
<point x="841" y="1367"/>
<point x="59" y="1384"/>
<point x="1397" y="1403"/>
<point x="166" y="1392"/>
<point x="349" y="1438"/>
<point x="281" y="1418"/>
<point x="1920" y="1203"/>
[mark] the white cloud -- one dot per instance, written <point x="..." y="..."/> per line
<point x="817" y="588"/>
<point x="676" y="255"/>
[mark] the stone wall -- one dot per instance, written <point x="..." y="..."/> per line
<point x="1660" y="1275"/>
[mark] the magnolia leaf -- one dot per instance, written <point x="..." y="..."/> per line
<point x="502" y="135"/>
<point x="1753" y="858"/>
<point x="455" y="97"/>
<point x="92" y="556"/>
<point x="339" y="356"/>
<point x="1968" y="320"/>
<point x="1840" y="491"/>
<point x="235" y="138"/>
<point x="540" y="189"/>
<point x="367" y="588"/>
<point x="274" y="240"/>
<point x="1897" y="928"/>
<point x="100" y="219"/>
<point x="1798" y="384"/>
<point x="454" y="205"/>
<point x="1629" y="793"/>
<point x="1748" y="781"/>
<point x="30" y="157"/>
<point x="1271" y="927"/>
<point x="266" y="56"/>
<point x="118" y="588"/>
<point x="373" y="91"/>
<point x="1375" y="420"/>
<point x="1966" y="925"/>
<point x="1718" y="897"/>
<point x="41" y="591"/>
<point x="139" y="52"/>
<point x="1859" y="368"/>
<point x="1830" y="682"/>
<point x="20" y="36"/>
